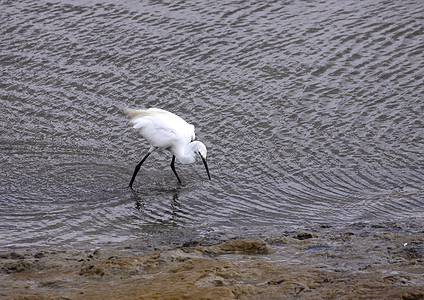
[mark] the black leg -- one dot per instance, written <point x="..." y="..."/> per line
<point x="137" y="168"/>
<point x="173" y="168"/>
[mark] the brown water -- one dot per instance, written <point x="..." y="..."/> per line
<point x="312" y="113"/>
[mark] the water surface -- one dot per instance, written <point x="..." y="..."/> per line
<point x="312" y="113"/>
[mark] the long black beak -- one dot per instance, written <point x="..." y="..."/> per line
<point x="206" y="166"/>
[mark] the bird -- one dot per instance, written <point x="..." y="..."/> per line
<point x="165" y="130"/>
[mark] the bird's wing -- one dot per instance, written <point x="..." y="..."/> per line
<point x="193" y="135"/>
<point x="160" y="127"/>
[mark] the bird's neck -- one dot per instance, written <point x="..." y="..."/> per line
<point x="187" y="155"/>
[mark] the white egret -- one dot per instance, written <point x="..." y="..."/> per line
<point x="165" y="130"/>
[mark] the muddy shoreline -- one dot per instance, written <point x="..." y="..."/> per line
<point x="359" y="261"/>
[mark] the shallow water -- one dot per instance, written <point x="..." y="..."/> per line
<point x="312" y="113"/>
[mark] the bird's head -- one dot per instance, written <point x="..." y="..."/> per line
<point x="201" y="149"/>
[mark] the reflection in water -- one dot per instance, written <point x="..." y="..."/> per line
<point x="176" y="194"/>
<point x="176" y="206"/>
<point x="175" y="210"/>
<point x="139" y="204"/>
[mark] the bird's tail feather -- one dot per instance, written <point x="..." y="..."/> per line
<point x="139" y="113"/>
<point x="134" y="113"/>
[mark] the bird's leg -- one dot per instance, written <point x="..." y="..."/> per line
<point x="137" y="167"/>
<point x="173" y="168"/>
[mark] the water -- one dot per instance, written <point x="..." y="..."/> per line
<point x="312" y="113"/>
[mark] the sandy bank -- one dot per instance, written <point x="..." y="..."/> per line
<point x="354" y="263"/>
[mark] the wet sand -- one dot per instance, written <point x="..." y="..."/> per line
<point x="360" y="261"/>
